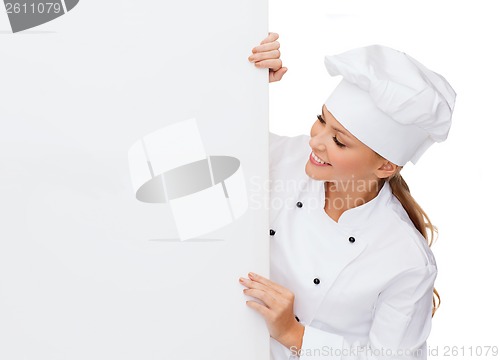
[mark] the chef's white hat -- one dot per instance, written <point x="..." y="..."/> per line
<point x="390" y="102"/>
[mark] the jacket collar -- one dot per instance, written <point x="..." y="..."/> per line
<point x="358" y="216"/>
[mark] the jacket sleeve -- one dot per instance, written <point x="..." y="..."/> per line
<point x="275" y="141"/>
<point x="400" y="327"/>
<point x="285" y="149"/>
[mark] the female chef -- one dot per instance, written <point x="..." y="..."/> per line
<point x="352" y="275"/>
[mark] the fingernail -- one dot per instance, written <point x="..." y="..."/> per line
<point x="251" y="275"/>
<point x="242" y="280"/>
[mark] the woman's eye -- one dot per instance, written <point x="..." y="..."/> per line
<point x="338" y="142"/>
<point x="321" y="119"/>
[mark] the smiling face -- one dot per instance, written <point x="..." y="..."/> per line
<point x="342" y="157"/>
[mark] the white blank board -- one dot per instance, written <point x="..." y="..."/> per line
<point x="87" y="271"/>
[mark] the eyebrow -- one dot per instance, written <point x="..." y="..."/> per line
<point x="333" y="127"/>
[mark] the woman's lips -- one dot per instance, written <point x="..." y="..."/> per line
<point x="311" y="159"/>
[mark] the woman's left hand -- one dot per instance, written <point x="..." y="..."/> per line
<point x="277" y="309"/>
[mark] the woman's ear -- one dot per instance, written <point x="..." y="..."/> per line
<point x="386" y="170"/>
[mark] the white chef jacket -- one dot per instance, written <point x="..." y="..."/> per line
<point x="363" y="285"/>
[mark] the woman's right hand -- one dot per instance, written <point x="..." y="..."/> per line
<point x="267" y="55"/>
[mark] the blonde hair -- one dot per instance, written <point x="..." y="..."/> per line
<point x="418" y="216"/>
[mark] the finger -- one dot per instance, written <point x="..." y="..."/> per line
<point x="262" y="295"/>
<point x="277" y="75"/>
<point x="263" y="310"/>
<point x="270" y="38"/>
<point x="275" y="45"/>
<point x="273" y="54"/>
<point x="271" y="284"/>
<point x="273" y="64"/>
<point x="258" y="286"/>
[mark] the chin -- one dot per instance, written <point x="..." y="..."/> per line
<point x="313" y="173"/>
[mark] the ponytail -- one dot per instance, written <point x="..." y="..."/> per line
<point x="419" y="218"/>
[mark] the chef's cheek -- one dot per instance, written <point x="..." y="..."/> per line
<point x="344" y="167"/>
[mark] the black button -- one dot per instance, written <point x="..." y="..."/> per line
<point x="299" y="204"/>
<point x="351" y="239"/>
<point x="296" y="318"/>
<point x="316" y="281"/>
<point x="272" y="232"/>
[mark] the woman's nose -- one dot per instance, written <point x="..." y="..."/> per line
<point x="317" y="142"/>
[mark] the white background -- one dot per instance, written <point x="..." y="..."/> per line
<point x="456" y="182"/>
